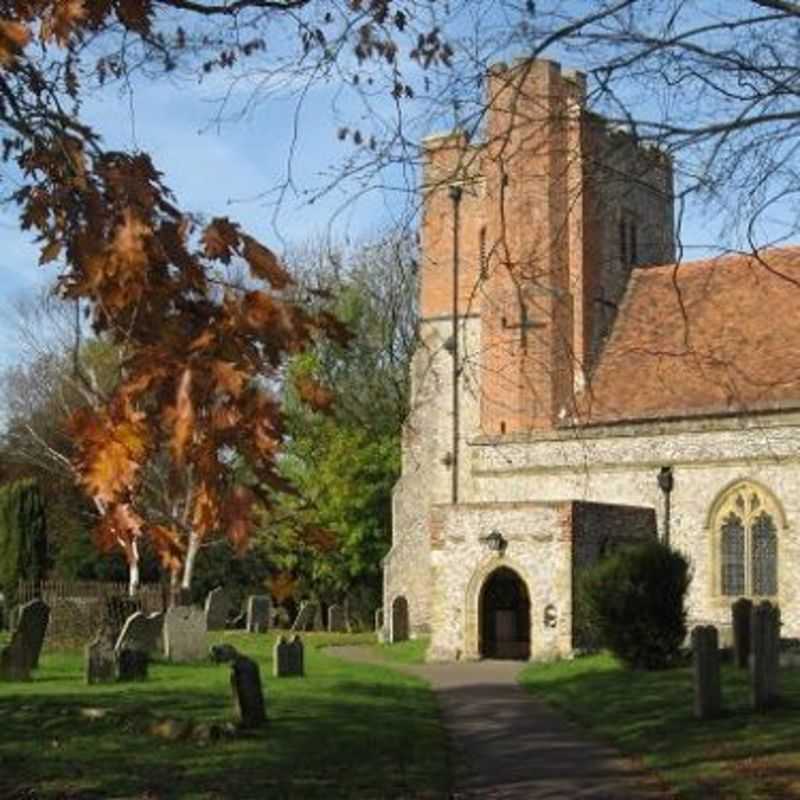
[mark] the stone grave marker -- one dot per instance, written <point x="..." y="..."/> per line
<point x="218" y="606"/>
<point x="259" y="609"/>
<point x="100" y="658"/>
<point x="22" y="655"/>
<point x="248" y="695"/>
<point x="143" y="633"/>
<point x="305" y="616"/>
<point x="132" y="665"/>
<point x="185" y="635"/>
<point x="707" y="685"/>
<point x="280" y="657"/>
<point x="296" y="656"/>
<point x="765" y="640"/>
<point x="741" y="612"/>
<point x="336" y="619"/>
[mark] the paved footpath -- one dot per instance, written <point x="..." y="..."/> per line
<point x="508" y="746"/>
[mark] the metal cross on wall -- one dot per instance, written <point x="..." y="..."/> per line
<point x="524" y="325"/>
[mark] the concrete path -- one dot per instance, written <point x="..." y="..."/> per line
<point x="508" y="746"/>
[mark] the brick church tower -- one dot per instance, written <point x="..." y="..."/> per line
<point x="528" y="240"/>
<point x="539" y="226"/>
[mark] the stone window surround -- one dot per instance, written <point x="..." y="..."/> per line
<point x="716" y="512"/>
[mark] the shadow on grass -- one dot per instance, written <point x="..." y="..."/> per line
<point x="650" y="714"/>
<point x="342" y="732"/>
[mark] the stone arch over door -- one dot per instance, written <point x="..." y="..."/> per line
<point x="400" y="621"/>
<point x="474" y="595"/>
<point x="505" y="616"/>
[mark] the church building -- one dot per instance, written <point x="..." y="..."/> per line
<point x="578" y="384"/>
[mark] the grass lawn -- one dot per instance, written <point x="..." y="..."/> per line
<point x="740" y="755"/>
<point x="411" y="651"/>
<point x="344" y="731"/>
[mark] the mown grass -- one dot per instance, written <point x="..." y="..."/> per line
<point x="344" y="731"/>
<point x="408" y="652"/>
<point x="741" y="755"/>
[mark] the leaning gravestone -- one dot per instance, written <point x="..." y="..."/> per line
<point x="741" y="611"/>
<point x="305" y="616"/>
<point x="100" y="658"/>
<point x="280" y="658"/>
<point x="218" y="606"/>
<point x="142" y="633"/>
<point x="296" y="656"/>
<point x="185" y="635"/>
<point x="22" y="654"/>
<point x="707" y="686"/>
<point x="765" y="639"/>
<point x="248" y="696"/>
<point x="259" y="609"/>
<point x="336" y="620"/>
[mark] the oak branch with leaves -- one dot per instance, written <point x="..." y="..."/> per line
<point x="202" y="355"/>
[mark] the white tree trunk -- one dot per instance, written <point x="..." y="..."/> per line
<point x="191" y="556"/>
<point x="133" y="571"/>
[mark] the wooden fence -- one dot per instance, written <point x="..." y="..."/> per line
<point x="78" y="608"/>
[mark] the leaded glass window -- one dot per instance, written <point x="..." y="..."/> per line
<point x="747" y="542"/>
<point x="732" y="541"/>
<point x="764" y="543"/>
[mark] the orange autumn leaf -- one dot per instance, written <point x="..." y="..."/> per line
<point x="228" y="377"/>
<point x="319" y="397"/>
<point x="264" y="264"/>
<point x="168" y="546"/>
<point x="283" y="586"/>
<point x="61" y="20"/>
<point x="184" y="417"/>
<point x="13" y="38"/>
<point x="237" y="516"/>
<point x="205" y="512"/>
<point x="220" y="239"/>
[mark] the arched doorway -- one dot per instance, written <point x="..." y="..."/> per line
<point x="400" y="623"/>
<point x="505" y="616"/>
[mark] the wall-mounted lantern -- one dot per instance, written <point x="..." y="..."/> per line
<point x="550" y="616"/>
<point x="666" y="482"/>
<point x="495" y="541"/>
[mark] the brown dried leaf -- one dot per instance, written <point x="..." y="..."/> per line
<point x="264" y="264"/>
<point x="14" y="36"/>
<point x="228" y="377"/>
<point x="184" y="417"/>
<point x="220" y="239"/>
<point x="62" y="20"/>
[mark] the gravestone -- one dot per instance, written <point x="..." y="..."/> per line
<point x="132" y="665"/>
<point x="143" y="633"/>
<point x="280" y="657"/>
<point x="379" y="631"/>
<point x="218" y="606"/>
<point x="259" y="609"/>
<point x="765" y="641"/>
<point x="100" y="659"/>
<point x="22" y="654"/>
<point x="248" y="695"/>
<point x="305" y="616"/>
<point x="296" y="656"/>
<point x="741" y="611"/>
<point x="336" y="619"/>
<point x="185" y="636"/>
<point x="239" y="622"/>
<point x="707" y="685"/>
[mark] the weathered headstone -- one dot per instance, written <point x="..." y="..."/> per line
<point x="741" y="611"/>
<point x="22" y="654"/>
<point x="100" y="659"/>
<point x="185" y="636"/>
<point x="305" y="616"/>
<point x="336" y="620"/>
<point x="296" y="656"/>
<point x="280" y="657"/>
<point x="259" y="609"/>
<point x="132" y="665"/>
<point x="707" y="685"/>
<point x="765" y="640"/>
<point x="248" y="695"/>
<point x="218" y="606"/>
<point x="140" y="632"/>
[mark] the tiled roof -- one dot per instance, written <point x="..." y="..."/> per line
<point x="709" y="337"/>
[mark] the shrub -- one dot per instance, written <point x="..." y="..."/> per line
<point x="23" y="540"/>
<point x="634" y="602"/>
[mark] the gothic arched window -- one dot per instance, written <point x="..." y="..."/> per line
<point x="746" y="531"/>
